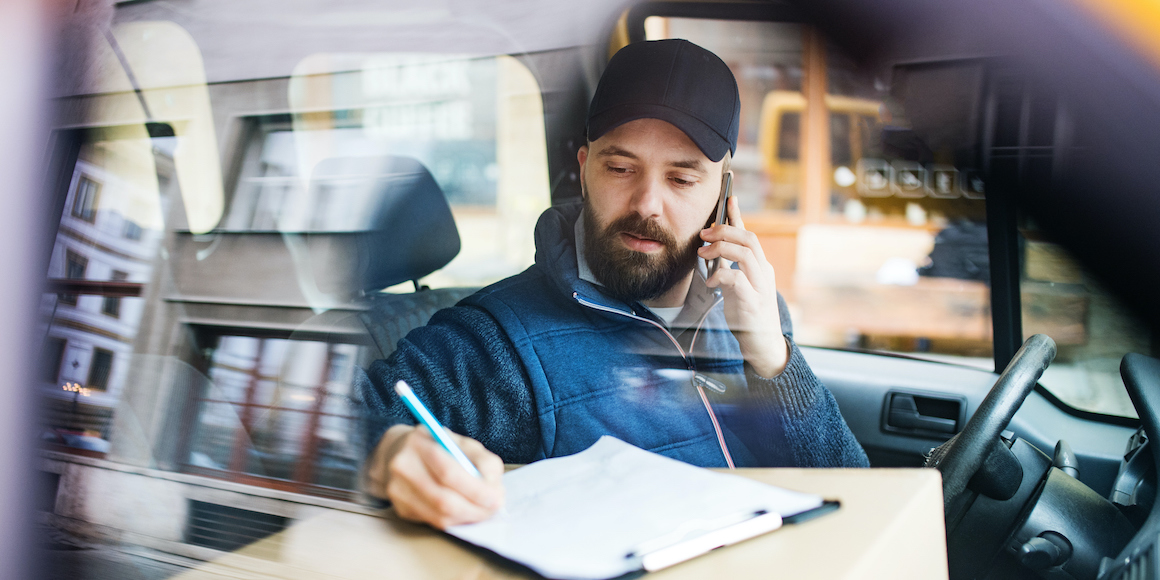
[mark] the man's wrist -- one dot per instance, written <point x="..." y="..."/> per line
<point x="770" y="362"/>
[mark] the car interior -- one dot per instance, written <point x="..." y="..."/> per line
<point x="957" y="198"/>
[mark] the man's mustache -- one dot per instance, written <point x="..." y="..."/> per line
<point x="637" y="226"/>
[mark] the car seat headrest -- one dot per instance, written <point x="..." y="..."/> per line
<point x="409" y="231"/>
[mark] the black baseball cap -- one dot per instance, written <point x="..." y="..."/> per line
<point x="671" y="80"/>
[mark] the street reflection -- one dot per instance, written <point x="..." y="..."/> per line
<point x="110" y="231"/>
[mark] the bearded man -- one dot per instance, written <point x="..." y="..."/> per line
<point x="618" y="328"/>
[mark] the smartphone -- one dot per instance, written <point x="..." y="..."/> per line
<point x="722" y="216"/>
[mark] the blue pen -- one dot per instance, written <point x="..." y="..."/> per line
<point x="419" y="410"/>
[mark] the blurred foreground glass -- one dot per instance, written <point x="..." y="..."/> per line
<point x="197" y="381"/>
<point x="103" y="258"/>
<point x="475" y="123"/>
<point x="186" y="347"/>
<point x="279" y="409"/>
<point x="878" y="240"/>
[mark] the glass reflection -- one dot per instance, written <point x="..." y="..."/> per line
<point x="278" y="409"/>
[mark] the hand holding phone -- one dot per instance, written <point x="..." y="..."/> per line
<point x="722" y="216"/>
<point x="751" y="311"/>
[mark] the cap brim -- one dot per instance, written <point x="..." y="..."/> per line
<point x="711" y="143"/>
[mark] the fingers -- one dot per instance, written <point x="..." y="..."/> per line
<point x="733" y="208"/>
<point x="738" y="285"/>
<point x="417" y="496"/>
<point x="426" y="484"/>
<point x="488" y="463"/>
<point x="753" y="310"/>
<point x="377" y="473"/>
<point x="736" y="244"/>
<point x="734" y="233"/>
<point x="742" y="255"/>
<point x="757" y="270"/>
<point x="445" y="471"/>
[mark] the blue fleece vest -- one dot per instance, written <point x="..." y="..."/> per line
<point x="598" y="366"/>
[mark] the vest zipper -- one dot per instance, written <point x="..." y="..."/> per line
<point x="603" y="308"/>
<point x="699" y="384"/>
<point x="698" y="378"/>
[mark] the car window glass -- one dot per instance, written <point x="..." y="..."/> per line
<point x="279" y="409"/>
<point x="766" y="58"/>
<point x="1091" y="328"/>
<point x="102" y="260"/>
<point x="878" y="240"/>
<point x="475" y="123"/>
<point x="189" y="324"/>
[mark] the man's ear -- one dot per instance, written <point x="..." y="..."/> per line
<point x="582" y="158"/>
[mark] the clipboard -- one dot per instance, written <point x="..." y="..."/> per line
<point x="615" y="509"/>
<point x="758" y="523"/>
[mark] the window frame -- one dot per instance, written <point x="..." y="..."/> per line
<point x="131" y="230"/>
<point x="254" y="129"/>
<point x="746" y="11"/>
<point x="88" y="211"/>
<point x="789" y="149"/>
<point x="111" y="306"/>
<point x="93" y="368"/>
<point x="59" y="356"/>
<point x="70" y="299"/>
<point x="211" y="335"/>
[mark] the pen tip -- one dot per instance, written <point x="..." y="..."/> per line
<point x="402" y="388"/>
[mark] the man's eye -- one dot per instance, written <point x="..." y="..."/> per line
<point x="682" y="182"/>
<point x="614" y="169"/>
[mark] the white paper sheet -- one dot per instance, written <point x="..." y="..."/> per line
<point x="579" y="517"/>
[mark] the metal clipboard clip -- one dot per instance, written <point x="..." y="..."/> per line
<point x="678" y="546"/>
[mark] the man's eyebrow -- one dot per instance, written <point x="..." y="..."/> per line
<point x="694" y="164"/>
<point x="614" y="151"/>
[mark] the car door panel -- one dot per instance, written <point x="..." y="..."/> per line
<point x="862" y="382"/>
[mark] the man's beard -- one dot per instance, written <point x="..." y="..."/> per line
<point x="626" y="273"/>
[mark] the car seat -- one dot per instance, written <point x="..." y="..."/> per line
<point x="409" y="233"/>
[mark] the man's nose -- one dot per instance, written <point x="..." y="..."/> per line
<point x="648" y="199"/>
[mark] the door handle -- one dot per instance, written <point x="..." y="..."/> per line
<point x="917" y="414"/>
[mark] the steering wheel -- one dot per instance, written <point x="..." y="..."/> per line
<point x="959" y="458"/>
